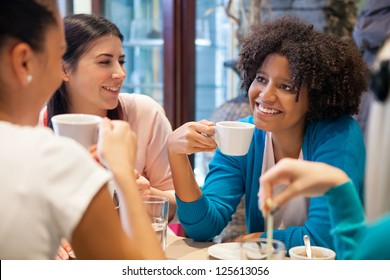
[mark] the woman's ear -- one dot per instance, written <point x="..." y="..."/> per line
<point x="65" y="71"/>
<point x="22" y="58"/>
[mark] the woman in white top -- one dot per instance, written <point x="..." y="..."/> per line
<point x="50" y="187"/>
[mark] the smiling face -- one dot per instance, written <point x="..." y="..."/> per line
<point x="272" y="98"/>
<point x="94" y="85"/>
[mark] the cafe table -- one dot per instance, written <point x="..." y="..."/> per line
<point x="182" y="248"/>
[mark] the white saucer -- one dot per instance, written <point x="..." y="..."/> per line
<point x="225" y="251"/>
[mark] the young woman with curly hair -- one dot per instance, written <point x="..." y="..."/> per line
<point x="303" y="85"/>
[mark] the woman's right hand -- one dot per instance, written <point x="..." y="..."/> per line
<point x="117" y="145"/>
<point x="302" y="177"/>
<point x="192" y="137"/>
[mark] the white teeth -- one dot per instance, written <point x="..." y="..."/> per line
<point x="112" y="88"/>
<point x="268" y="111"/>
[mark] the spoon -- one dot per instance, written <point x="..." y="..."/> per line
<point x="306" y="241"/>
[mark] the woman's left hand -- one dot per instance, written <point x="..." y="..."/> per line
<point x="143" y="184"/>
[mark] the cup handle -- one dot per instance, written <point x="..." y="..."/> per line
<point x="214" y="136"/>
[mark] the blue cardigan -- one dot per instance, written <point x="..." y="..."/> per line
<point x="338" y="142"/>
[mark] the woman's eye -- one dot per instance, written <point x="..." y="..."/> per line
<point x="104" y="62"/>
<point x="121" y="62"/>
<point x="260" y="79"/>
<point x="286" y="88"/>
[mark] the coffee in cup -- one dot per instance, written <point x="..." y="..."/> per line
<point x="317" y="253"/>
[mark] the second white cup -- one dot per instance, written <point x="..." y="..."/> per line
<point x="234" y="138"/>
<point x="318" y="253"/>
<point x="83" y="128"/>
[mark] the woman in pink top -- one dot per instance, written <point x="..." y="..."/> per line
<point x="93" y="74"/>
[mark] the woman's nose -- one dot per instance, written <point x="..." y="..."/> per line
<point x="267" y="93"/>
<point x="119" y="73"/>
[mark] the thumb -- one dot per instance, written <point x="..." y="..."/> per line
<point x="105" y="125"/>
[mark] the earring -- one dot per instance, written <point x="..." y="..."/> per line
<point x="29" y="78"/>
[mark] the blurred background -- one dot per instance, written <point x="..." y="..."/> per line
<point x="183" y="53"/>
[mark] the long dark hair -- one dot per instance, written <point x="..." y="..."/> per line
<point x="81" y="30"/>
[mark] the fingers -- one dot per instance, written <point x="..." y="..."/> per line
<point x="206" y="122"/>
<point x="192" y="137"/>
<point x="105" y="125"/>
<point x="281" y="173"/>
<point x="136" y="174"/>
<point x="93" y="149"/>
<point x="117" y="144"/>
<point x="62" y="254"/>
<point x="65" y="244"/>
<point x="120" y="127"/>
<point x="94" y="153"/>
<point x="201" y="134"/>
<point x="285" y="196"/>
<point x="63" y="250"/>
<point x="302" y="177"/>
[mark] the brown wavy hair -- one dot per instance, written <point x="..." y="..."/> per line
<point x="331" y="67"/>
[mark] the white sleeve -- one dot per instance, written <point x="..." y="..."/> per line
<point x="72" y="178"/>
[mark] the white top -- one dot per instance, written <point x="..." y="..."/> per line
<point x="293" y="213"/>
<point x="46" y="184"/>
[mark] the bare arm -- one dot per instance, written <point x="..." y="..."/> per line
<point x="100" y="233"/>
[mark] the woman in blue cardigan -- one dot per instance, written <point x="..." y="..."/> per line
<point x="303" y="86"/>
<point x="354" y="238"/>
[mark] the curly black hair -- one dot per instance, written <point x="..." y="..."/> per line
<point x="331" y="67"/>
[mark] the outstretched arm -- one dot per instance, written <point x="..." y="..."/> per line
<point x="302" y="177"/>
<point x="99" y="234"/>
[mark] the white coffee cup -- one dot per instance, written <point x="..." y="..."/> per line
<point x="234" y="138"/>
<point x="83" y="128"/>
<point x="318" y="253"/>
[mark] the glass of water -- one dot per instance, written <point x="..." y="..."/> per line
<point x="157" y="208"/>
